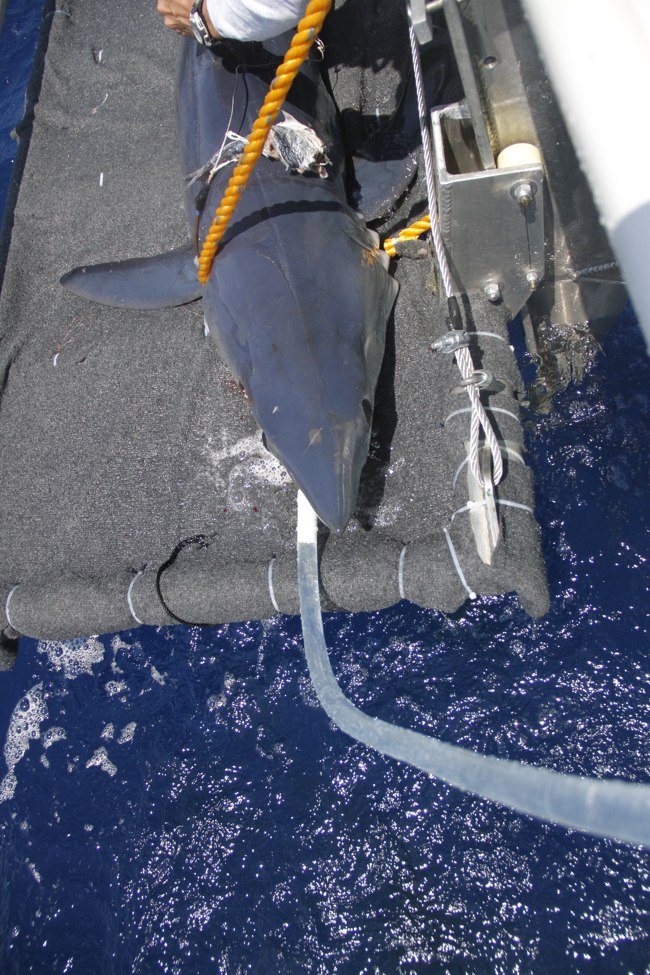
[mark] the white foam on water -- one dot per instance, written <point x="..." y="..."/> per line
<point x="73" y="657"/>
<point x="157" y="676"/>
<point x="216" y="701"/>
<point x="117" y="643"/>
<point x="34" y="872"/>
<point x="53" y="735"/>
<point x="127" y="733"/>
<point x="108" y="732"/>
<point x="101" y="760"/>
<point x="113" y="687"/>
<point x="24" y="727"/>
<point x="8" y="786"/>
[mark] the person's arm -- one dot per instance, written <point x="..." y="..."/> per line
<point x="176" y="16"/>
<point x="240" y="20"/>
<point x="254" y="20"/>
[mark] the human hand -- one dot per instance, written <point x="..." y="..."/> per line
<point x="176" y="16"/>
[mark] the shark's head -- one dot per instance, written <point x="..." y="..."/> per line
<point x="298" y="305"/>
<point x="325" y="461"/>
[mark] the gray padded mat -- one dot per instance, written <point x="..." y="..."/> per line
<point x="134" y="485"/>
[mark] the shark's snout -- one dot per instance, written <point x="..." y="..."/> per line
<point x="328" y="469"/>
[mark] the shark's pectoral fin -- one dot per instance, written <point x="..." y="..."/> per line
<point x="385" y="168"/>
<point x="144" y="282"/>
<point x="381" y="183"/>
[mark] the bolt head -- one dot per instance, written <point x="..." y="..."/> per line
<point x="523" y="194"/>
<point x="492" y="291"/>
<point x="533" y="280"/>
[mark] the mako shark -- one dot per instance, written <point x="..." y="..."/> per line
<point x="299" y="293"/>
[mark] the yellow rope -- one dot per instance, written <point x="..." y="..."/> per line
<point x="408" y="233"/>
<point x="306" y="33"/>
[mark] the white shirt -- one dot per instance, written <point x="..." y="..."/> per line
<point x="254" y="20"/>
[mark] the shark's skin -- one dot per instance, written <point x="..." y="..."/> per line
<point x="298" y="296"/>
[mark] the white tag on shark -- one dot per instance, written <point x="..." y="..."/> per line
<point x="297" y="146"/>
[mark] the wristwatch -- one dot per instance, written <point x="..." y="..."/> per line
<point x="199" y="26"/>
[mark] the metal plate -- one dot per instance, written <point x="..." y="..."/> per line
<point x="490" y="238"/>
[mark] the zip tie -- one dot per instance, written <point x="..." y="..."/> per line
<point x="480" y="378"/>
<point x="488" y="409"/>
<point x="515" y="504"/>
<point x="491" y="335"/>
<point x="470" y="592"/>
<point x="130" y="600"/>
<point x="506" y="451"/>
<point x="481" y="504"/>
<point x="7" y="608"/>
<point x="512" y="454"/>
<point x="271" y="589"/>
<point x="462" y="464"/>
<point x="468" y="507"/>
<point x="400" y="572"/>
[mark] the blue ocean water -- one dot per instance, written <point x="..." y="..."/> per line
<point x="17" y="43"/>
<point x="175" y="801"/>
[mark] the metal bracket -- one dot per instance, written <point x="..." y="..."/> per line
<point x="468" y="78"/>
<point x="492" y="220"/>
<point x="420" y="15"/>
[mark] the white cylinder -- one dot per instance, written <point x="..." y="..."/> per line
<point x="597" y="53"/>
<point x="519" y="154"/>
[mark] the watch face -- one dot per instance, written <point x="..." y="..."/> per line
<point x="197" y="23"/>
<point x="196" y="31"/>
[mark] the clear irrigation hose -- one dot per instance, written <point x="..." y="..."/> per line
<point x="604" y="807"/>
